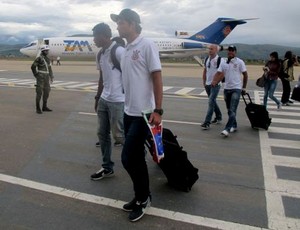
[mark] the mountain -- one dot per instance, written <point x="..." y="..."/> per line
<point x="11" y="50"/>
<point x="244" y="51"/>
<point x="262" y="52"/>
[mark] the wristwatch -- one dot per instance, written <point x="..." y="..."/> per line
<point x="159" y="111"/>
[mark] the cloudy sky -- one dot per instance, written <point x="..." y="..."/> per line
<point x="22" y="21"/>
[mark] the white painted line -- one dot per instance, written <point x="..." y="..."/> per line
<point x="203" y="93"/>
<point x="283" y="113"/>
<point x="284" y="143"/>
<point x="286" y="161"/>
<point x="2" y="70"/>
<point x="9" y="80"/>
<point x="275" y="209"/>
<point x="65" y="83"/>
<point x="92" y="87"/>
<point x="81" y="85"/>
<point x="289" y="187"/>
<point x="184" y="90"/>
<point x="165" y="88"/>
<point x="168" y="121"/>
<point x="273" y="129"/>
<point x="284" y="108"/>
<point x="167" y="214"/>
<point x="286" y="121"/>
<point x="182" y="122"/>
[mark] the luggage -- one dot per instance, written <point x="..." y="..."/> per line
<point x="180" y="172"/>
<point x="296" y="93"/>
<point x="257" y="114"/>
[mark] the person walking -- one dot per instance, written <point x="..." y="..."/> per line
<point x="232" y="70"/>
<point x="42" y="71"/>
<point x="286" y="77"/>
<point x="212" y="63"/>
<point x="142" y="80"/>
<point x="109" y="102"/>
<point x="271" y="70"/>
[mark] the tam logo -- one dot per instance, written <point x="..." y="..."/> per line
<point x="72" y="45"/>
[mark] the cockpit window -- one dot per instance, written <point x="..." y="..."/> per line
<point x="30" y="44"/>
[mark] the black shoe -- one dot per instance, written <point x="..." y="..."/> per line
<point x="216" y="121"/>
<point x="39" y="111"/>
<point x="102" y="173"/>
<point x="46" y="109"/>
<point x="128" y="207"/>
<point x="291" y="102"/>
<point x="98" y="144"/>
<point x="139" y="210"/>
<point x="205" y="126"/>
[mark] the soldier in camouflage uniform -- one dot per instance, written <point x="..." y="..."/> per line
<point x="42" y="71"/>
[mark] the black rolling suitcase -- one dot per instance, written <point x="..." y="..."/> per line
<point x="296" y="93"/>
<point x="180" y="172"/>
<point x="257" y="114"/>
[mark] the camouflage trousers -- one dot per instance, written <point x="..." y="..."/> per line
<point x="42" y="87"/>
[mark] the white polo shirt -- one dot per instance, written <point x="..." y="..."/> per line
<point x="211" y="67"/>
<point x="140" y="59"/>
<point x="232" y="73"/>
<point x="112" y="77"/>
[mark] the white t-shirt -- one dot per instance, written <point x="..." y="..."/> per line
<point x="140" y="59"/>
<point x="112" y="77"/>
<point x="232" y="73"/>
<point x="211" y="67"/>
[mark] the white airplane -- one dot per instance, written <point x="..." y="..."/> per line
<point x="185" y="44"/>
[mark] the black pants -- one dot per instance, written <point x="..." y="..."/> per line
<point x="286" y="91"/>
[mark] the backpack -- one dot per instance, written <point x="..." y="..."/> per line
<point x="218" y="64"/>
<point x="283" y="72"/>
<point x="218" y="61"/>
<point x="116" y="63"/>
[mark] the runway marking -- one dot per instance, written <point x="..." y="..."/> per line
<point x="276" y="188"/>
<point x="167" y="214"/>
<point x="168" y="121"/>
<point x="184" y="90"/>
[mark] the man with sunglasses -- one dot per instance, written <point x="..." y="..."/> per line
<point x="211" y="65"/>
<point x="234" y="86"/>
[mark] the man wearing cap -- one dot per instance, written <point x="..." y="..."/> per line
<point x="109" y="101"/>
<point x="42" y="71"/>
<point x="232" y="69"/>
<point x="142" y="81"/>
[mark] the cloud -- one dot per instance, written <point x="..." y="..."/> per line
<point x="34" y="19"/>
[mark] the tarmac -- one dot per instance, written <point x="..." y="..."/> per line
<point x="249" y="180"/>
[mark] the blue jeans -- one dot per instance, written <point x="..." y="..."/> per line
<point x="269" y="88"/>
<point x="212" y="93"/>
<point x="110" y="118"/>
<point x="133" y="155"/>
<point x="232" y="99"/>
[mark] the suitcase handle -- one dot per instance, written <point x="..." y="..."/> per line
<point x="243" y="96"/>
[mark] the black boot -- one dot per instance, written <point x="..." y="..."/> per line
<point x="45" y="108"/>
<point x="38" y="109"/>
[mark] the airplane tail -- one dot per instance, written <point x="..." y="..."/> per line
<point x="216" y="32"/>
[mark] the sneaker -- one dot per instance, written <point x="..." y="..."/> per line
<point x="232" y="130"/>
<point x="101" y="174"/>
<point x="279" y="106"/>
<point x="291" y="102"/>
<point x="225" y="133"/>
<point x="98" y="144"/>
<point x="139" y="210"/>
<point x="205" y="126"/>
<point x="216" y="121"/>
<point x="118" y="144"/>
<point x="128" y="207"/>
